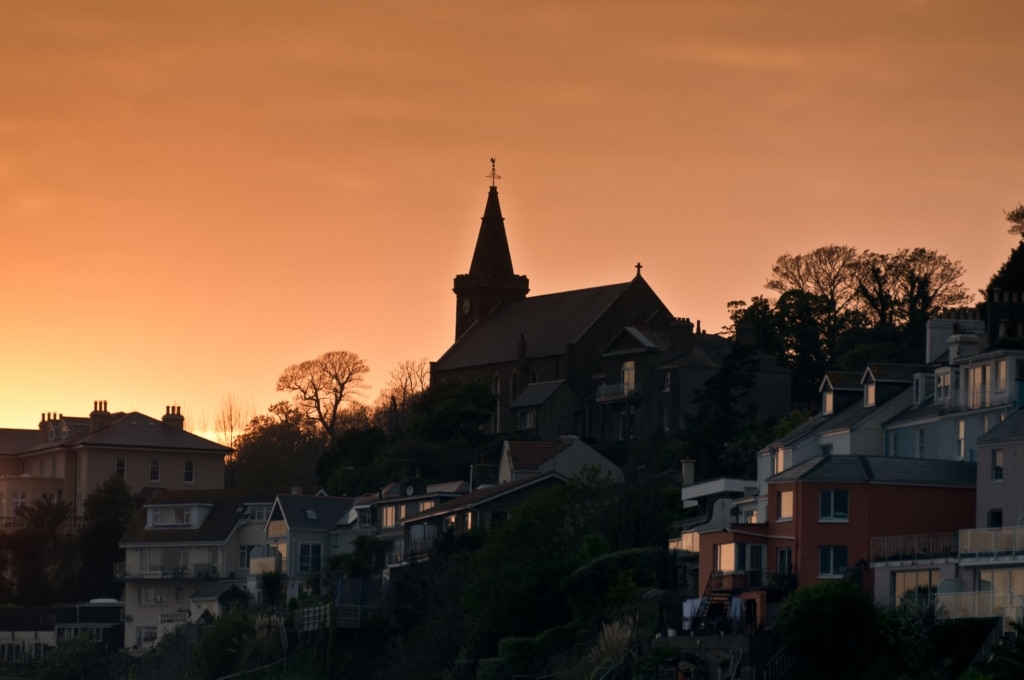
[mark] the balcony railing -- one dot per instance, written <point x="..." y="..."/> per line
<point x="174" y="617"/>
<point x="754" y="579"/>
<point x="196" y="571"/>
<point x="617" y="392"/>
<point x="980" y="605"/>
<point x="1005" y="544"/>
<point x="914" y="547"/>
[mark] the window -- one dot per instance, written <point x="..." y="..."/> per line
<point x="172" y="516"/>
<point x="154" y="470"/>
<point x="628" y="376"/>
<point x="388" y="519"/>
<point x="243" y="556"/>
<point x="834" y="505"/>
<point x="18" y="499"/>
<point x="309" y="558"/>
<point x="977" y="387"/>
<point x="667" y="387"/>
<point x="784" y="501"/>
<point x="994" y="518"/>
<point x="258" y="513"/>
<point x="997" y="465"/>
<point x="1001" y="375"/>
<point x="190" y="472"/>
<point x="831" y="561"/>
<point x="894" y="451"/>
<point x="919" y="586"/>
<point x="826" y="449"/>
<point x="527" y="419"/>
<point x="779" y="461"/>
<point x="426" y="505"/>
<point x="869" y="394"/>
<point x="920" y="442"/>
<point x="119" y="468"/>
<point x="827" y="402"/>
<point x="365" y="517"/>
<point x="784" y="561"/>
<point x="961" y="432"/>
<point x="942" y="386"/>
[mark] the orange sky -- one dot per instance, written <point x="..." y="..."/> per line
<point x="195" y="194"/>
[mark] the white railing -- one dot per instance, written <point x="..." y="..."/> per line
<point x="984" y="543"/>
<point x="175" y="617"/>
<point x="1004" y="604"/>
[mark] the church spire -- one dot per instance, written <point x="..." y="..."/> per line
<point x="491" y="278"/>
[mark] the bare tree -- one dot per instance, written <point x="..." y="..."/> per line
<point x="231" y="419"/>
<point x="323" y="387"/>
<point x="406" y="381"/>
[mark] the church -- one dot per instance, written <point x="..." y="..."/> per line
<point x="604" y="364"/>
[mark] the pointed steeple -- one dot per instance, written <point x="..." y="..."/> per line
<point x="491" y="278"/>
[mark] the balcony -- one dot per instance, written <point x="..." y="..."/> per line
<point x="753" y="579"/>
<point x="980" y="605"/>
<point x="617" y="392"/>
<point x="982" y="546"/>
<point x="914" y="548"/>
<point x="170" y="572"/>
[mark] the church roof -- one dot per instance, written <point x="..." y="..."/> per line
<point x="492" y="256"/>
<point x="547" y="322"/>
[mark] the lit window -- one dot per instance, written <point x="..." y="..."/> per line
<point x="628" y="376"/>
<point x="834" y="505"/>
<point x="831" y="561"/>
<point x="997" y="465"/>
<point x="941" y="386"/>
<point x="388" y="520"/>
<point x="1001" y="375"/>
<point x="426" y="505"/>
<point x="869" y="394"/>
<point x="784" y="499"/>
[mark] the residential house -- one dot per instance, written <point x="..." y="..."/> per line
<point x="567" y="456"/>
<point x="188" y="555"/>
<point x="821" y="517"/>
<point x="66" y="458"/>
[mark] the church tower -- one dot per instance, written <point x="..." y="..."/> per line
<point x="490" y="279"/>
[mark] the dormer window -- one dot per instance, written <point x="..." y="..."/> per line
<point x="942" y="381"/>
<point x="827" y="402"/>
<point x="869" y="395"/>
<point x="171" y="517"/>
<point x="628" y="376"/>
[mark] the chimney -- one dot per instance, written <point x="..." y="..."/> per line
<point x="100" y="416"/>
<point x="173" y="417"/>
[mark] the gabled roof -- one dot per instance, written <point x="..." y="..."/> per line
<point x="897" y="373"/>
<point x="548" y="323"/>
<point x="483" y="496"/>
<point x="312" y="513"/>
<point x="1010" y="430"/>
<point x="138" y="431"/>
<point x="527" y="456"/>
<point x="227" y="509"/>
<point x="880" y="470"/>
<point x="841" y="380"/>
<point x="537" y="394"/>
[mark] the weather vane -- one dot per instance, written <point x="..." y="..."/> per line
<point x="494" y="173"/>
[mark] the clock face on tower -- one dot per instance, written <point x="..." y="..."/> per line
<point x="465" y="306"/>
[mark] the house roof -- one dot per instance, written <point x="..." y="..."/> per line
<point x="537" y="394"/>
<point x="901" y="373"/>
<point x="842" y="380"/>
<point x="16" y="440"/>
<point x="134" y="430"/>
<point x="527" y="456"/>
<point x="880" y="470"/>
<point x="483" y="496"/>
<point x="313" y="512"/>
<point x="226" y="511"/>
<point x="548" y="323"/>
<point x="1010" y="430"/>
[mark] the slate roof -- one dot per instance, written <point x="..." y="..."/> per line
<point x="881" y="470"/>
<point x="536" y="394"/>
<point x="903" y="373"/>
<point x="481" y="496"/>
<point x="134" y="430"/>
<point x="226" y="511"/>
<point x="548" y="322"/>
<point x="313" y="512"/>
<point x="17" y="440"/>
<point x="1010" y="430"/>
<point x="842" y="380"/>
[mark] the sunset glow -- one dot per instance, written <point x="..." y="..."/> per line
<point x="195" y="195"/>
